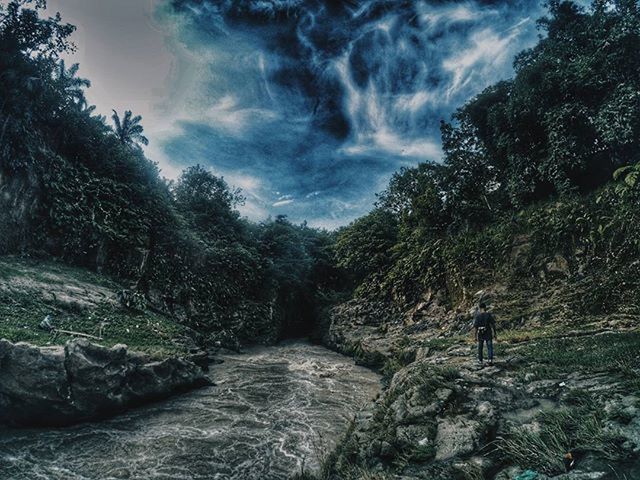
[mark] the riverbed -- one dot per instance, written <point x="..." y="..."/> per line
<point x="273" y="411"/>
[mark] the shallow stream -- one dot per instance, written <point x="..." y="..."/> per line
<point x="272" y="411"/>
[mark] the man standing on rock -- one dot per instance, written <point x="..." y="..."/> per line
<point x="485" y="331"/>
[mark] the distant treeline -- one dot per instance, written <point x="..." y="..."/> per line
<point x="74" y="187"/>
<point x="533" y="156"/>
<point x="528" y="160"/>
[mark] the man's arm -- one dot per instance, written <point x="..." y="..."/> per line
<point x="493" y="325"/>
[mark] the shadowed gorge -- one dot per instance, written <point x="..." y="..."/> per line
<point x="401" y="183"/>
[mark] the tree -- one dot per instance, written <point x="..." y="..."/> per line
<point x="416" y="196"/>
<point x="70" y="84"/>
<point x="128" y="129"/>
<point x="208" y="203"/>
<point x="364" y="247"/>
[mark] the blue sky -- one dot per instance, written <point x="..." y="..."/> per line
<point x="308" y="106"/>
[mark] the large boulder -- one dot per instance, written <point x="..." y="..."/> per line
<point x="56" y="386"/>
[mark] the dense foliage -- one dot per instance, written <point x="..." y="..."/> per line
<point x="74" y="187"/>
<point x="525" y="173"/>
<point x="523" y="181"/>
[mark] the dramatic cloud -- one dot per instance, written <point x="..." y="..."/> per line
<point x="320" y="101"/>
<point x="308" y="106"/>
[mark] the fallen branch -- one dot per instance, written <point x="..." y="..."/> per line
<point x="79" y="334"/>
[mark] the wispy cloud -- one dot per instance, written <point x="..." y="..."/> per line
<point x="326" y="103"/>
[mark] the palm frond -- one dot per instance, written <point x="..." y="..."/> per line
<point x="116" y="121"/>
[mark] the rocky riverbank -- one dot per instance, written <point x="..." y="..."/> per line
<point x="550" y="393"/>
<point x="57" y="386"/>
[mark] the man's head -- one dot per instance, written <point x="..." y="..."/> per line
<point x="483" y="306"/>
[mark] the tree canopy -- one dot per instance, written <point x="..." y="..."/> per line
<point x="74" y="187"/>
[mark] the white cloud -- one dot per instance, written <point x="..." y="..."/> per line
<point x="282" y="203"/>
<point x="456" y="13"/>
<point x="226" y="113"/>
<point x="488" y="49"/>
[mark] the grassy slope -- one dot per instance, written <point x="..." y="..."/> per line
<point x="80" y="301"/>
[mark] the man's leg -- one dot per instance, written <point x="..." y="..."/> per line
<point x="480" y="348"/>
<point x="490" y="349"/>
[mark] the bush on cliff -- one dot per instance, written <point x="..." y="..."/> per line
<point x="523" y="194"/>
<point x="75" y="188"/>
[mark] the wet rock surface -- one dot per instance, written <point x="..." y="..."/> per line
<point x="58" y="386"/>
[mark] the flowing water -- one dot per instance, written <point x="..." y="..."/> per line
<point x="271" y="411"/>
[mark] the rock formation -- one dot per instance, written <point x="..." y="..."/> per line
<point x="57" y="386"/>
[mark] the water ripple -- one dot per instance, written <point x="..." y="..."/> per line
<point x="271" y="411"/>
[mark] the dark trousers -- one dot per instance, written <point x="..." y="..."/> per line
<point x="481" y="342"/>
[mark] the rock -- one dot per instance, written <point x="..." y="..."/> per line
<point x="420" y="414"/>
<point x="399" y="409"/>
<point x="475" y="467"/>
<point x="201" y="359"/>
<point x="422" y="353"/>
<point x="457" y="436"/>
<point x="508" y="473"/>
<point x="581" y="476"/>
<point x="33" y="381"/>
<point x="58" y="386"/>
<point x="415" y="435"/>
<point x="386" y="450"/>
<point x="516" y="473"/>
<point x="558" y="267"/>
<point x="443" y="394"/>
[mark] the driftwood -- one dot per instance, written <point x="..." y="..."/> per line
<point x="78" y="334"/>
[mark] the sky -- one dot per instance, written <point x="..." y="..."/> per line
<point x="309" y="106"/>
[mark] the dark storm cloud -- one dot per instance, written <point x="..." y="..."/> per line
<point x="311" y="105"/>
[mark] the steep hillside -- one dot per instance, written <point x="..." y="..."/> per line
<point x="83" y="303"/>
<point x="563" y="266"/>
<point x="567" y="371"/>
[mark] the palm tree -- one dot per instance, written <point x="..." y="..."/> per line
<point x="72" y="85"/>
<point x="128" y="130"/>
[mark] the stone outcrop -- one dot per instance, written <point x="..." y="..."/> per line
<point x="441" y="417"/>
<point x="57" y="386"/>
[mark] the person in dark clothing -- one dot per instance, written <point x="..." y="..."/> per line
<point x="485" y="331"/>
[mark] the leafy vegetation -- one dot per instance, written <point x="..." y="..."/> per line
<point x="78" y="301"/>
<point x="577" y="428"/>
<point x="76" y="188"/>
<point x="525" y="179"/>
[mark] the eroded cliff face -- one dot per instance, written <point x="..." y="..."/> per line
<point x="56" y="386"/>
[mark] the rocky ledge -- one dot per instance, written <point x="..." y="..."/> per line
<point x="561" y="404"/>
<point x="58" y="386"/>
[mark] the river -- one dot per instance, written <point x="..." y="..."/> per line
<point x="272" y="410"/>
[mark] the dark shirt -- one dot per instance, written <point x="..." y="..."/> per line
<point x="486" y="320"/>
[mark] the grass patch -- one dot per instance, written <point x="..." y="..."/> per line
<point x="612" y="352"/>
<point x="22" y="309"/>
<point x="514" y="336"/>
<point x="578" y="428"/>
<point x="442" y="344"/>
